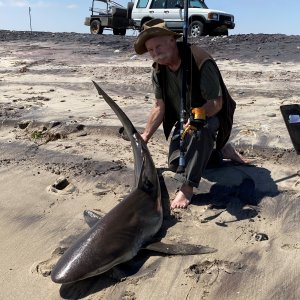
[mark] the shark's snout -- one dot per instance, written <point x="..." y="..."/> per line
<point x="57" y="277"/>
<point x="63" y="273"/>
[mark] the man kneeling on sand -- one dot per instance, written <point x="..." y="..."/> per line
<point x="206" y="90"/>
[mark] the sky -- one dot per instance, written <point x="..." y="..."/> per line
<point x="251" y="16"/>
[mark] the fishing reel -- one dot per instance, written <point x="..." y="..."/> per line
<point x="196" y="122"/>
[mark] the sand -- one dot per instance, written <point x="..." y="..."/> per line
<point x="61" y="153"/>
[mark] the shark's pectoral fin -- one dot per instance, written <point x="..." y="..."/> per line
<point x="91" y="218"/>
<point x="179" y="249"/>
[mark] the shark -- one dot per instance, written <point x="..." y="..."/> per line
<point x="127" y="228"/>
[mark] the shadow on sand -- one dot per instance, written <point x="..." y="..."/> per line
<point x="235" y="189"/>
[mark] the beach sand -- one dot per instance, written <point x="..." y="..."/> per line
<point x="61" y="153"/>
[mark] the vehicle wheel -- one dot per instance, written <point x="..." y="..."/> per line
<point x="225" y="32"/>
<point x="196" y="29"/>
<point x="96" y="27"/>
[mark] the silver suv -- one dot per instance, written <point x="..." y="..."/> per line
<point x="202" y="20"/>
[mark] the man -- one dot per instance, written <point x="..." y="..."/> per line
<point x="206" y="90"/>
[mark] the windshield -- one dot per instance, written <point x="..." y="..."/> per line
<point x="197" y="4"/>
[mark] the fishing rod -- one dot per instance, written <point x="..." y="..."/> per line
<point x="185" y="70"/>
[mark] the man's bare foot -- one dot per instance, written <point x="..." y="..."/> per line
<point x="229" y="152"/>
<point x="183" y="197"/>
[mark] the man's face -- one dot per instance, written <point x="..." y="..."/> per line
<point x="161" y="48"/>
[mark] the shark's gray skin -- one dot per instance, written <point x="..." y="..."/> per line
<point x="127" y="228"/>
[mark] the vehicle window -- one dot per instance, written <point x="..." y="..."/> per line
<point x="142" y="4"/>
<point x="100" y="8"/>
<point x="197" y="4"/>
<point x="172" y="4"/>
<point x="158" y="4"/>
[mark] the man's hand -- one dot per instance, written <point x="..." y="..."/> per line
<point x="188" y="128"/>
<point x="144" y="137"/>
<point x="154" y="120"/>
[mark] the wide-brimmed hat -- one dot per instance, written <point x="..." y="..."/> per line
<point x="152" y="28"/>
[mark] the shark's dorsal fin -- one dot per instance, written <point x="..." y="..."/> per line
<point x="179" y="249"/>
<point x="91" y="218"/>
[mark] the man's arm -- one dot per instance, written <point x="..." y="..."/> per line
<point x="212" y="107"/>
<point x="211" y="88"/>
<point x="154" y="120"/>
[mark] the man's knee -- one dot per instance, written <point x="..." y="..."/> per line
<point x="215" y="160"/>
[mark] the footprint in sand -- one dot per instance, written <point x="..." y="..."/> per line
<point x="290" y="247"/>
<point x="128" y="295"/>
<point x="62" y="186"/>
<point x="44" y="268"/>
<point x="207" y="272"/>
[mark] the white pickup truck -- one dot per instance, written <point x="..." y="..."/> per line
<point x="202" y="20"/>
